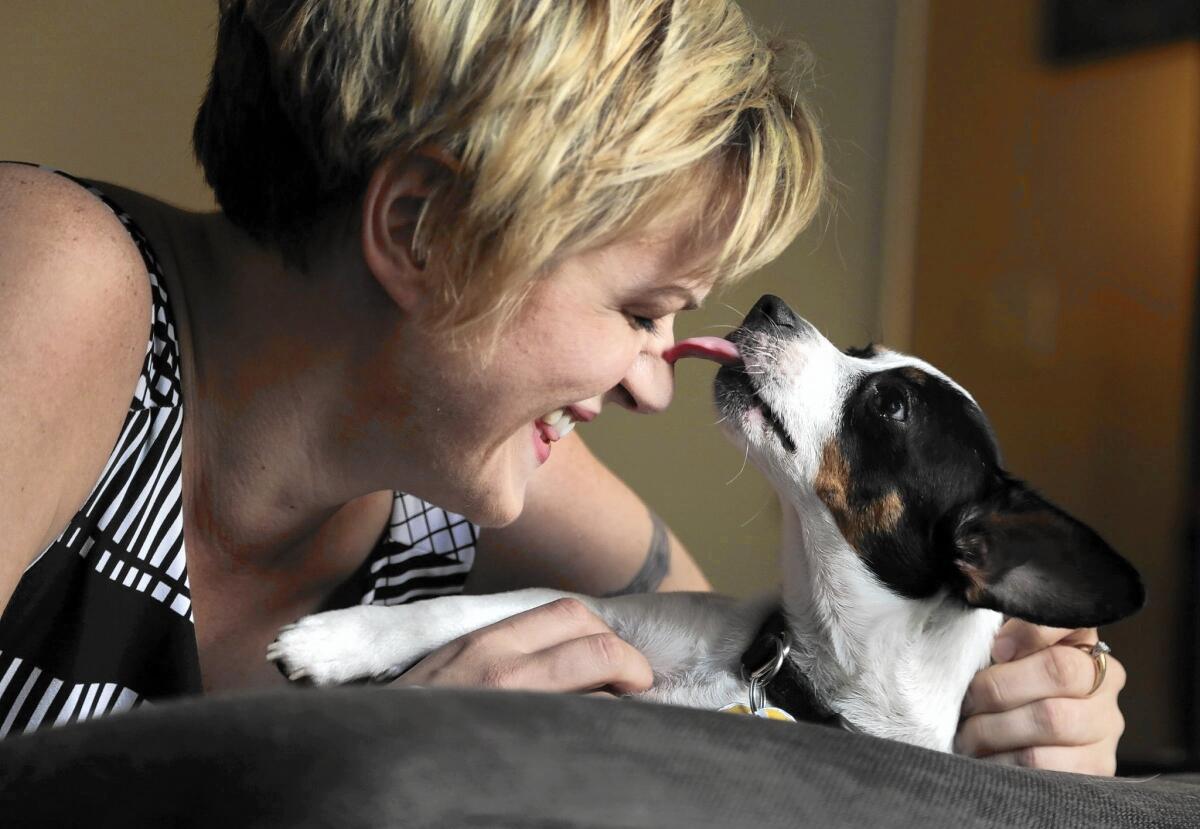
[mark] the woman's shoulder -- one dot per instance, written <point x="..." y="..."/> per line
<point x="74" y="322"/>
<point x="69" y="268"/>
<point x="49" y="222"/>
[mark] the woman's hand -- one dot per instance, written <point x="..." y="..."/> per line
<point x="561" y="646"/>
<point x="1031" y="707"/>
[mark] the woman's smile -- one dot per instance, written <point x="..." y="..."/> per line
<point x="556" y="425"/>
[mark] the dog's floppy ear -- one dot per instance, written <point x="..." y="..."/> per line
<point x="1021" y="555"/>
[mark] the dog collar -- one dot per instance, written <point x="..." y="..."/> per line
<point x="765" y="665"/>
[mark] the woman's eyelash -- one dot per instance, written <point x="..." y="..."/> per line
<point x="645" y="323"/>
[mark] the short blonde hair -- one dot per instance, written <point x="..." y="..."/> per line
<point x="572" y="122"/>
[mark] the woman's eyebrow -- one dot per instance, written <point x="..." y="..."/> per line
<point x="691" y="303"/>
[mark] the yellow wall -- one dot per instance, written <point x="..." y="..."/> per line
<point x="107" y="90"/>
<point x="1057" y="255"/>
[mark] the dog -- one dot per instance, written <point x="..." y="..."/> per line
<point x="905" y="543"/>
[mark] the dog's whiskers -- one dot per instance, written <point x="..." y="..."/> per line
<point x="766" y="504"/>
<point x="743" y="469"/>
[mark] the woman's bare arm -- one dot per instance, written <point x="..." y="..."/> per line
<point x="583" y="530"/>
<point x="74" y="321"/>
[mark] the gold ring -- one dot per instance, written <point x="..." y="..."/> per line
<point x="1099" y="653"/>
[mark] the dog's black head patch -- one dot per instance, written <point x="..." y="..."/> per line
<point x="913" y="479"/>
<point x="910" y="448"/>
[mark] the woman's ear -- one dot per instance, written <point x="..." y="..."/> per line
<point x="391" y="208"/>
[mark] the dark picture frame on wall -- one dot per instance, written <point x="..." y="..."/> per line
<point x="1078" y="30"/>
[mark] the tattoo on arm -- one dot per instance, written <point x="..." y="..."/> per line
<point x="657" y="563"/>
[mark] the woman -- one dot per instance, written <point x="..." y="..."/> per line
<point x="448" y="232"/>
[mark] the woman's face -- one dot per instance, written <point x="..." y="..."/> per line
<point x="591" y="334"/>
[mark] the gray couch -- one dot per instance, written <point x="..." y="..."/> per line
<point x="380" y="757"/>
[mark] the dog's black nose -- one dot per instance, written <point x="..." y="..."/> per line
<point x="774" y="309"/>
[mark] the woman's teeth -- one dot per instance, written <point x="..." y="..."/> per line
<point x="560" y="421"/>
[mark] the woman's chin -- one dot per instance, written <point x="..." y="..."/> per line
<point x="498" y="509"/>
<point x="492" y="493"/>
<point x="499" y="497"/>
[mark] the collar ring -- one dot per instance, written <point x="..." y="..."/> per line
<point x="762" y="676"/>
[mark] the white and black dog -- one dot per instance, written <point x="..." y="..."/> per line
<point x="904" y="543"/>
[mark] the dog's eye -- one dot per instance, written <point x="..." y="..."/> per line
<point x="891" y="402"/>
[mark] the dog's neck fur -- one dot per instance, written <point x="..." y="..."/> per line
<point x="890" y="666"/>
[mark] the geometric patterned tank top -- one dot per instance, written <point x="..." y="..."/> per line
<point x="101" y="621"/>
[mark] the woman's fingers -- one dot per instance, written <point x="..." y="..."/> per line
<point x="561" y="646"/>
<point x="1099" y="759"/>
<point x="1018" y="638"/>
<point x="532" y="630"/>
<point x="1057" y="671"/>
<point x="600" y="661"/>
<point x="588" y="663"/>
<point x="1046" y="722"/>
<point x="1034" y="707"/>
<point x="542" y="627"/>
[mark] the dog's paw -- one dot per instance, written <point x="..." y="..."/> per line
<point x="328" y="648"/>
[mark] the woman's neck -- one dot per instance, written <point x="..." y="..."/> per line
<point x="269" y="360"/>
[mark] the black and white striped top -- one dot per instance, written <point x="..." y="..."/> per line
<point x="102" y="620"/>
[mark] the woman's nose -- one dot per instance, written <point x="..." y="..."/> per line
<point x="647" y="386"/>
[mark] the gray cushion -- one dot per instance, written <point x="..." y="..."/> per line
<point x="372" y="757"/>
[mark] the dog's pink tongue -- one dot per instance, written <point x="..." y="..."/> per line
<point x="708" y="348"/>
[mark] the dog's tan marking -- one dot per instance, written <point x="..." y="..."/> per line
<point x="833" y="478"/>
<point x="976" y="582"/>
<point x="832" y="486"/>
<point x="884" y="513"/>
<point x="915" y="375"/>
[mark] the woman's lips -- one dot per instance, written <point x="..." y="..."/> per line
<point x="708" y="348"/>
<point x="543" y="436"/>
<point x="555" y="426"/>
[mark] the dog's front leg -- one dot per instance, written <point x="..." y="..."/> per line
<point x="693" y="641"/>
<point x="344" y="645"/>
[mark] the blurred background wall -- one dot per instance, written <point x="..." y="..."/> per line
<point x="107" y="89"/>
<point x="1031" y="228"/>
<point x="1056" y="256"/>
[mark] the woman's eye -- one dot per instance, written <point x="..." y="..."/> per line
<point x="644" y="323"/>
<point x="891" y="403"/>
